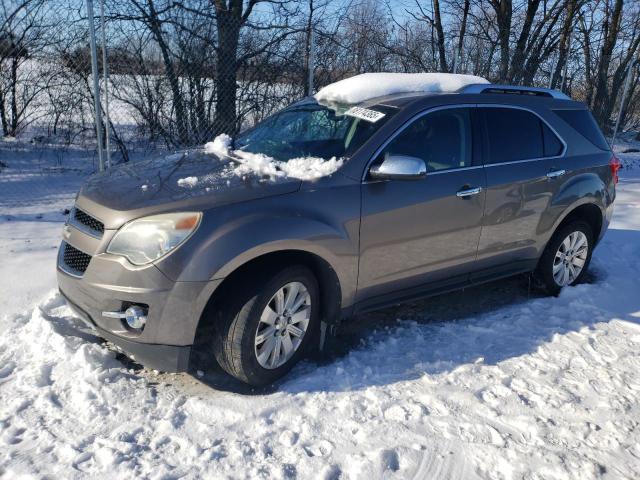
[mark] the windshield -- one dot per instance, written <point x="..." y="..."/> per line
<point x="313" y="130"/>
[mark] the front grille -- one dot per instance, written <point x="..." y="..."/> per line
<point x="88" y="221"/>
<point x="75" y="259"/>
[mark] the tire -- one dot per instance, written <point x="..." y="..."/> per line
<point x="239" y="324"/>
<point x="553" y="257"/>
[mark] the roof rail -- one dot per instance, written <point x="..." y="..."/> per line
<point x="513" y="90"/>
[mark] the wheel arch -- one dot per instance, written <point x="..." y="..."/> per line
<point x="586" y="211"/>
<point x="267" y="264"/>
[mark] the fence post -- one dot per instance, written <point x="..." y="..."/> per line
<point x="625" y="92"/>
<point x="96" y="84"/>
<point x="105" y="74"/>
<point x="311" y="61"/>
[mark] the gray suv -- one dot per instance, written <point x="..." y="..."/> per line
<point x="434" y="192"/>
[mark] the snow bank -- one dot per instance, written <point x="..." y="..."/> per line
<point x="516" y="388"/>
<point x="303" y="168"/>
<point x="371" y="85"/>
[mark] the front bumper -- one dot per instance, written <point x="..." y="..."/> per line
<point x="165" y="358"/>
<point x="174" y="309"/>
<point x="110" y="283"/>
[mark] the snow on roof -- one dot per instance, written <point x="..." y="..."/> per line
<point x="371" y="85"/>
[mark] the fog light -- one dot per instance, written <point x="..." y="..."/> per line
<point x="135" y="317"/>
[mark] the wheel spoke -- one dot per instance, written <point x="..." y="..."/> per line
<point x="582" y="252"/>
<point x="557" y="276"/>
<point x="266" y="350"/>
<point x="581" y="241"/>
<point x="573" y="238"/>
<point x="275" y="357"/>
<point x="566" y="244"/>
<point x="572" y="273"/>
<point x="295" y="331"/>
<point x="565" y="276"/>
<point x="265" y="334"/>
<point x="302" y="297"/>
<point x="268" y="316"/>
<point x="301" y="315"/>
<point x="578" y="262"/>
<point x="279" y="299"/>
<point x="292" y="294"/>
<point x="287" y="345"/>
<point x="557" y="267"/>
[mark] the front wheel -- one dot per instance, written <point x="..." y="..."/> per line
<point x="567" y="257"/>
<point x="267" y="327"/>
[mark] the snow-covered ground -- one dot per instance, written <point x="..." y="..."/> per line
<point x="495" y="382"/>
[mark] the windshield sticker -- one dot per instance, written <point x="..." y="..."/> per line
<point x="365" y="114"/>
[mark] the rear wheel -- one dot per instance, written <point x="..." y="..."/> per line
<point x="267" y="327"/>
<point x="567" y="257"/>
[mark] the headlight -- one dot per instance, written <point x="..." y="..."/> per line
<point x="146" y="239"/>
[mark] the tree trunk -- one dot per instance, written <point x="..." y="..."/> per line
<point x="437" y="19"/>
<point x="565" y="42"/>
<point x="504" y="13"/>
<point x="172" y="77"/>
<point x="519" y="54"/>
<point x="586" y="48"/>
<point x="463" y="30"/>
<point x="611" y="27"/>
<point x="3" y="116"/>
<point x="306" y="82"/>
<point x="15" y="117"/>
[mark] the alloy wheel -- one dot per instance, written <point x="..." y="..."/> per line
<point x="282" y="326"/>
<point x="570" y="258"/>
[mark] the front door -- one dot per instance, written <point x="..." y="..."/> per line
<point x="423" y="231"/>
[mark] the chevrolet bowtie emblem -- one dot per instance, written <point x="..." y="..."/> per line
<point x="66" y="231"/>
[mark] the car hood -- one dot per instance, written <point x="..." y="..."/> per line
<point x="191" y="179"/>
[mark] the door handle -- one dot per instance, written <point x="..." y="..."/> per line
<point x="556" y="173"/>
<point x="469" y="192"/>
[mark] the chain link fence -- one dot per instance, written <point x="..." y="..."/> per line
<point x="170" y="81"/>
<point x="86" y="84"/>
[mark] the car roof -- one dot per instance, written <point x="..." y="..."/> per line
<point x="490" y="94"/>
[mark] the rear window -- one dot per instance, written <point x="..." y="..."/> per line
<point x="585" y="124"/>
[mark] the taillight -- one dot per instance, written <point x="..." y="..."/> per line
<point x="614" y="165"/>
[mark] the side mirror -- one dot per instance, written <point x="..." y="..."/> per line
<point x="399" y="167"/>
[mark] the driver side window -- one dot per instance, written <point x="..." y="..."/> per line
<point x="442" y="139"/>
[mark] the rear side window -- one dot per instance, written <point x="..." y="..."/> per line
<point x="513" y="134"/>
<point x="585" y="124"/>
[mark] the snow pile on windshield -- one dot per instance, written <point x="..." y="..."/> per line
<point x="188" y="182"/>
<point x="371" y="85"/>
<point x="220" y="145"/>
<point x="303" y="168"/>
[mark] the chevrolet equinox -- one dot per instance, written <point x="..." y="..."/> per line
<point x="430" y="191"/>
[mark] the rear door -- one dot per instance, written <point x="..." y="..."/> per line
<point x="524" y="166"/>
<point x="422" y="231"/>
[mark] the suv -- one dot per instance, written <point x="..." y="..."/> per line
<point x="425" y="192"/>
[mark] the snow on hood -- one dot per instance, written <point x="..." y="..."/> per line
<point x="371" y="85"/>
<point x="303" y="168"/>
